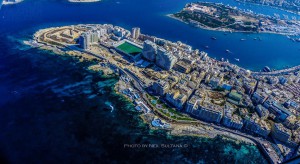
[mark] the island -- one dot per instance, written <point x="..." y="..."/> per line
<point x="288" y="5"/>
<point x="83" y="1"/>
<point x="215" y="16"/>
<point x="184" y="91"/>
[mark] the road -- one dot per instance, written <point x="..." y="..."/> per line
<point x="273" y="157"/>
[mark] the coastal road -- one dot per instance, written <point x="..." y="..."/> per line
<point x="273" y="157"/>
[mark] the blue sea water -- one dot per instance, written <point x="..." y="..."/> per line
<point x="48" y="115"/>
<point x="52" y="109"/>
<point x="273" y="50"/>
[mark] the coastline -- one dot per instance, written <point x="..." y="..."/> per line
<point x="222" y="29"/>
<point x="12" y="3"/>
<point x="274" y="7"/>
<point x="195" y="129"/>
<point x="177" y="129"/>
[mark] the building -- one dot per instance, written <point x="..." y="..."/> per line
<point x="256" y="125"/>
<point x="279" y="111"/>
<point x="85" y="41"/>
<point x="176" y="98"/>
<point x="149" y="50"/>
<point x="292" y="122"/>
<point x="258" y="98"/>
<point x="215" y="81"/>
<point x="165" y="59"/>
<point x="182" y="67"/>
<point x="160" y="87"/>
<point x="234" y="97"/>
<point x="191" y="104"/>
<point x="208" y="112"/>
<point x="135" y="33"/>
<point x="279" y="132"/>
<point x="262" y="111"/>
<point x="230" y="120"/>
<point x="88" y="38"/>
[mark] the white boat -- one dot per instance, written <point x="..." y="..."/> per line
<point x="236" y="59"/>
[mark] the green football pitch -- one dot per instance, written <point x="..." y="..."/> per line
<point x="129" y="48"/>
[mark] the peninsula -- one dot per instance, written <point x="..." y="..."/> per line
<point x="186" y="92"/>
<point x="214" y="16"/>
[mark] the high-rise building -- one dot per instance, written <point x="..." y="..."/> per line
<point x="208" y="112"/>
<point x="280" y="133"/>
<point x="262" y="111"/>
<point x="256" y="125"/>
<point x="84" y="40"/>
<point x="88" y="38"/>
<point x="176" y="98"/>
<point x="94" y="37"/>
<point x="160" y="87"/>
<point x="165" y="59"/>
<point x="135" y="33"/>
<point x="191" y="104"/>
<point x="149" y="50"/>
<point x="230" y="120"/>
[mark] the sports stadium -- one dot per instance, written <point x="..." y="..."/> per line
<point x="129" y="48"/>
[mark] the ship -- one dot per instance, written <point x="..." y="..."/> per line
<point x="243" y="39"/>
<point x="228" y="51"/>
<point x="236" y="59"/>
<point x="213" y="38"/>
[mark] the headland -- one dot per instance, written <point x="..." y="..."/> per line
<point x="215" y="16"/>
<point x="186" y="92"/>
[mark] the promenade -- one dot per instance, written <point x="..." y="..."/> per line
<point x="278" y="72"/>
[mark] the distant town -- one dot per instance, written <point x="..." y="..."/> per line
<point x="288" y="5"/>
<point x="183" y="90"/>
<point x="215" y="16"/>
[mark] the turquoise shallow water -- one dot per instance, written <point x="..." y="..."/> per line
<point x="48" y="115"/>
<point x="54" y="110"/>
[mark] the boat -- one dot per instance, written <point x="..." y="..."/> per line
<point x="266" y="69"/>
<point x="206" y="47"/>
<point x="228" y="51"/>
<point x="213" y="38"/>
<point x="254" y="38"/>
<point x="236" y="59"/>
<point x="243" y="39"/>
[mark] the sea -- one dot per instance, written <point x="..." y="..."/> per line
<point x="53" y="109"/>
